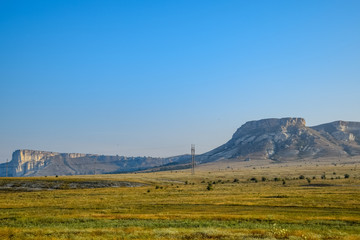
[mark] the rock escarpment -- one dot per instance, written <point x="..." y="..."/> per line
<point x="275" y="139"/>
<point x="42" y="163"/>
<point x="342" y="133"/>
<point x="287" y="138"/>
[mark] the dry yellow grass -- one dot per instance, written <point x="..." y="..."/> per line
<point x="177" y="205"/>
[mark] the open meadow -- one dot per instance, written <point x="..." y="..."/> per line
<point x="232" y="201"/>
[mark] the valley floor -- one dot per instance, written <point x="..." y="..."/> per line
<point x="249" y="201"/>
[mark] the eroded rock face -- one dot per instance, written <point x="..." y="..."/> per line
<point x="275" y="139"/>
<point x="342" y="133"/>
<point x="269" y="125"/>
<point x="42" y="163"/>
<point x="24" y="161"/>
<point x="341" y="130"/>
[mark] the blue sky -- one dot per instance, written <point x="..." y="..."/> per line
<point x="149" y="78"/>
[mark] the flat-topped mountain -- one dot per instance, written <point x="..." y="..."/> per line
<point x="42" y="163"/>
<point x="274" y="139"/>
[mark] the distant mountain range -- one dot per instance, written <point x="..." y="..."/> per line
<point x="275" y="139"/>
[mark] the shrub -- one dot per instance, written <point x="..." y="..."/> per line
<point x="263" y="179"/>
<point x="301" y="177"/>
<point x="236" y="180"/>
<point x="209" y="187"/>
<point x="254" y="179"/>
<point x="308" y="180"/>
<point x="346" y="176"/>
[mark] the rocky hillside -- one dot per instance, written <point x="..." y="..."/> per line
<point x="285" y="139"/>
<point x="275" y="139"/>
<point x="343" y="134"/>
<point x="42" y="163"/>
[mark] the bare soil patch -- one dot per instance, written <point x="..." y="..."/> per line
<point x="38" y="185"/>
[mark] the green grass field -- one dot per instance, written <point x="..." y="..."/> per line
<point x="178" y="205"/>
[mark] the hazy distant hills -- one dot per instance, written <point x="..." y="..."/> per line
<point x="275" y="139"/>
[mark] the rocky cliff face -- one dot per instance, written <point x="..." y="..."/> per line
<point x="24" y="161"/>
<point x="343" y="134"/>
<point x="285" y="138"/>
<point x="42" y="163"/>
<point x="275" y="139"/>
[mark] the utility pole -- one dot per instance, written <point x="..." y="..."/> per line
<point x="192" y="159"/>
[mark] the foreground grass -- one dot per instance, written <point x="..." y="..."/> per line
<point x="177" y="205"/>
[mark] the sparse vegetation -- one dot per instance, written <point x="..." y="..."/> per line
<point x="321" y="209"/>
<point x="308" y="180"/>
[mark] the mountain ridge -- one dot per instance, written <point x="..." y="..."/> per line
<point x="277" y="139"/>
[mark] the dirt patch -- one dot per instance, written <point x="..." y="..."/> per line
<point x="277" y="196"/>
<point x="38" y="185"/>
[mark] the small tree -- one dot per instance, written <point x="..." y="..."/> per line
<point x="254" y="179"/>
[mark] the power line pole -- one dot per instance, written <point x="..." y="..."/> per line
<point x="192" y="159"/>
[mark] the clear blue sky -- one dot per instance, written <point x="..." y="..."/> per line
<point x="149" y="78"/>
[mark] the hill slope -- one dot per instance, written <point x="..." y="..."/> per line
<point x="274" y="139"/>
<point x="285" y="139"/>
<point x="42" y="163"/>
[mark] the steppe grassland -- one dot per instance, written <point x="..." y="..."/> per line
<point x="178" y="205"/>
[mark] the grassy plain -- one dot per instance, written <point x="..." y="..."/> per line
<point x="178" y="205"/>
